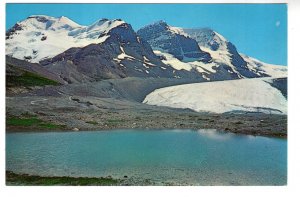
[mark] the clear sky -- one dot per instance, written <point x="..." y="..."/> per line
<point x="257" y="30"/>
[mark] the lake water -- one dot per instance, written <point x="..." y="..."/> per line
<point x="185" y="157"/>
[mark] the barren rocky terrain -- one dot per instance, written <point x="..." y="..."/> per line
<point x="94" y="113"/>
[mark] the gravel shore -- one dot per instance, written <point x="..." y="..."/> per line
<point x="93" y="113"/>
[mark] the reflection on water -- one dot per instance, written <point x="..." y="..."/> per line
<point x="215" y="135"/>
<point x="203" y="157"/>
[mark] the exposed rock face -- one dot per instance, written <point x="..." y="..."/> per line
<point x="239" y="62"/>
<point x="172" y="40"/>
<point x="9" y="34"/>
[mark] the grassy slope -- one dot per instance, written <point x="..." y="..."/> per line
<point x="29" y="121"/>
<point x="26" y="79"/>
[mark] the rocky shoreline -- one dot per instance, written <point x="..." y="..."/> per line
<point x="19" y="179"/>
<point x="13" y="179"/>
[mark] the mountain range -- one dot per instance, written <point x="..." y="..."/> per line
<point x="111" y="49"/>
<point x="67" y="76"/>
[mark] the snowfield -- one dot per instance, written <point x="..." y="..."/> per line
<point x="252" y="95"/>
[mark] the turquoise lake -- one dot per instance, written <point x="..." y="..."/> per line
<point x="180" y="157"/>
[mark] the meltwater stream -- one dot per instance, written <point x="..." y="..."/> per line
<point x="180" y="157"/>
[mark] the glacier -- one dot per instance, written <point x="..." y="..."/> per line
<point x="248" y="95"/>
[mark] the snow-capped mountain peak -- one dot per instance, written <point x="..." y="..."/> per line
<point x="172" y="40"/>
<point x="48" y="23"/>
<point x="65" y="21"/>
<point x="39" y="37"/>
<point x="162" y="25"/>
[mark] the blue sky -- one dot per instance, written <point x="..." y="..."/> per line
<point x="258" y="30"/>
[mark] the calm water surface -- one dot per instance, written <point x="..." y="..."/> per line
<point x="204" y="157"/>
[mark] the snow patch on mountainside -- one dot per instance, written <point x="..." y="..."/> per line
<point x="40" y="37"/>
<point x="201" y="67"/>
<point x="253" y="95"/>
<point x="221" y="56"/>
<point x="123" y="55"/>
<point x="174" y="62"/>
<point x="261" y="67"/>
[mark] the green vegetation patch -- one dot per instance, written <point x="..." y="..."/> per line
<point x="31" y="122"/>
<point x="25" y="179"/>
<point x="50" y="126"/>
<point x="113" y="122"/>
<point x="238" y="122"/>
<point x="28" y="79"/>
<point x="92" y="122"/>
<point x="16" y="121"/>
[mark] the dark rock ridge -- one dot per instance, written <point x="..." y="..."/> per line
<point x="239" y="63"/>
<point x="161" y="36"/>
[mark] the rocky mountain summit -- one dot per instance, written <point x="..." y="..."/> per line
<point x="173" y="40"/>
